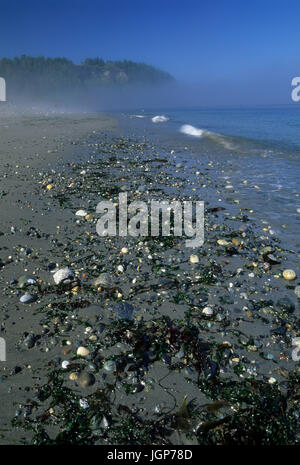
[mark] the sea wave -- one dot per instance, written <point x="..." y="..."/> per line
<point x="214" y="136"/>
<point x="192" y="131"/>
<point x="160" y="119"/>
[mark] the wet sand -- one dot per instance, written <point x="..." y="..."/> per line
<point x="30" y="141"/>
<point x="156" y="325"/>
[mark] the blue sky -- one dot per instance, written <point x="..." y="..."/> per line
<point x="236" y="44"/>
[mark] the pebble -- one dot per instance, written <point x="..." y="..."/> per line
<point x="87" y="379"/>
<point x="81" y="213"/>
<point x="65" y="364"/>
<point x="272" y="380"/>
<point x="297" y="291"/>
<point x="27" y="298"/>
<point x="194" y="259"/>
<point x="103" y="280"/>
<point x="110" y="365"/>
<point x="24" y="281"/>
<point x="83" y="403"/>
<point x="83" y="351"/>
<point x="122" y="311"/>
<point x="29" y="341"/>
<point x="124" y="250"/>
<point x="222" y="242"/>
<point x="289" y="275"/>
<point x="63" y="274"/>
<point x="208" y="311"/>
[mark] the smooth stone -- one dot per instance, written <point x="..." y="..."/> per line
<point x="222" y="242"/>
<point x="208" y="311"/>
<point x="270" y="258"/>
<point x="24" y="281"/>
<point x="81" y="213"/>
<point x="123" y="311"/>
<point x="27" y="298"/>
<point x="87" y="379"/>
<point x="110" y="365"/>
<point x="289" y="275"/>
<point x="297" y="291"/>
<point x="65" y="364"/>
<point x="286" y="304"/>
<point x="103" y="280"/>
<point x="83" y="351"/>
<point x="166" y="359"/>
<point x="29" y="341"/>
<point x="266" y="250"/>
<point x="194" y="259"/>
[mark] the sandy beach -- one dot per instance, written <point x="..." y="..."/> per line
<point x="30" y="141"/>
<point x="147" y="341"/>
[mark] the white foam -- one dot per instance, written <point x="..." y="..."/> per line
<point x="138" y="116"/>
<point x="198" y="132"/>
<point x="191" y="130"/>
<point x="160" y="119"/>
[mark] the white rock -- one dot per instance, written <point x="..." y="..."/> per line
<point x="81" y="213"/>
<point x="63" y="274"/>
<point x="65" y="364"/>
<point x="194" y="259"/>
<point x="124" y="250"/>
<point x="208" y="311"/>
<point x="83" y="351"/>
<point x="83" y="403"/>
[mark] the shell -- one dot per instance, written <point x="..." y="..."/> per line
<point x="222" y="242"/>
<point x="289" y="275"/>
<point x="27" y="298"/>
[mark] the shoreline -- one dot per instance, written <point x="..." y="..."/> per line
<point x="167" y="347"/>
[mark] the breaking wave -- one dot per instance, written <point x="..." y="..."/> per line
<point x="159" y="119"/>
<point x="214" y="136"/>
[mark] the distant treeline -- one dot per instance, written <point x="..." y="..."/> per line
<point x="40" y="74"/>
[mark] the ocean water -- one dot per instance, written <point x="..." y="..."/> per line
<point x="276" y="127"/>
<point x="257" y="150"/>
